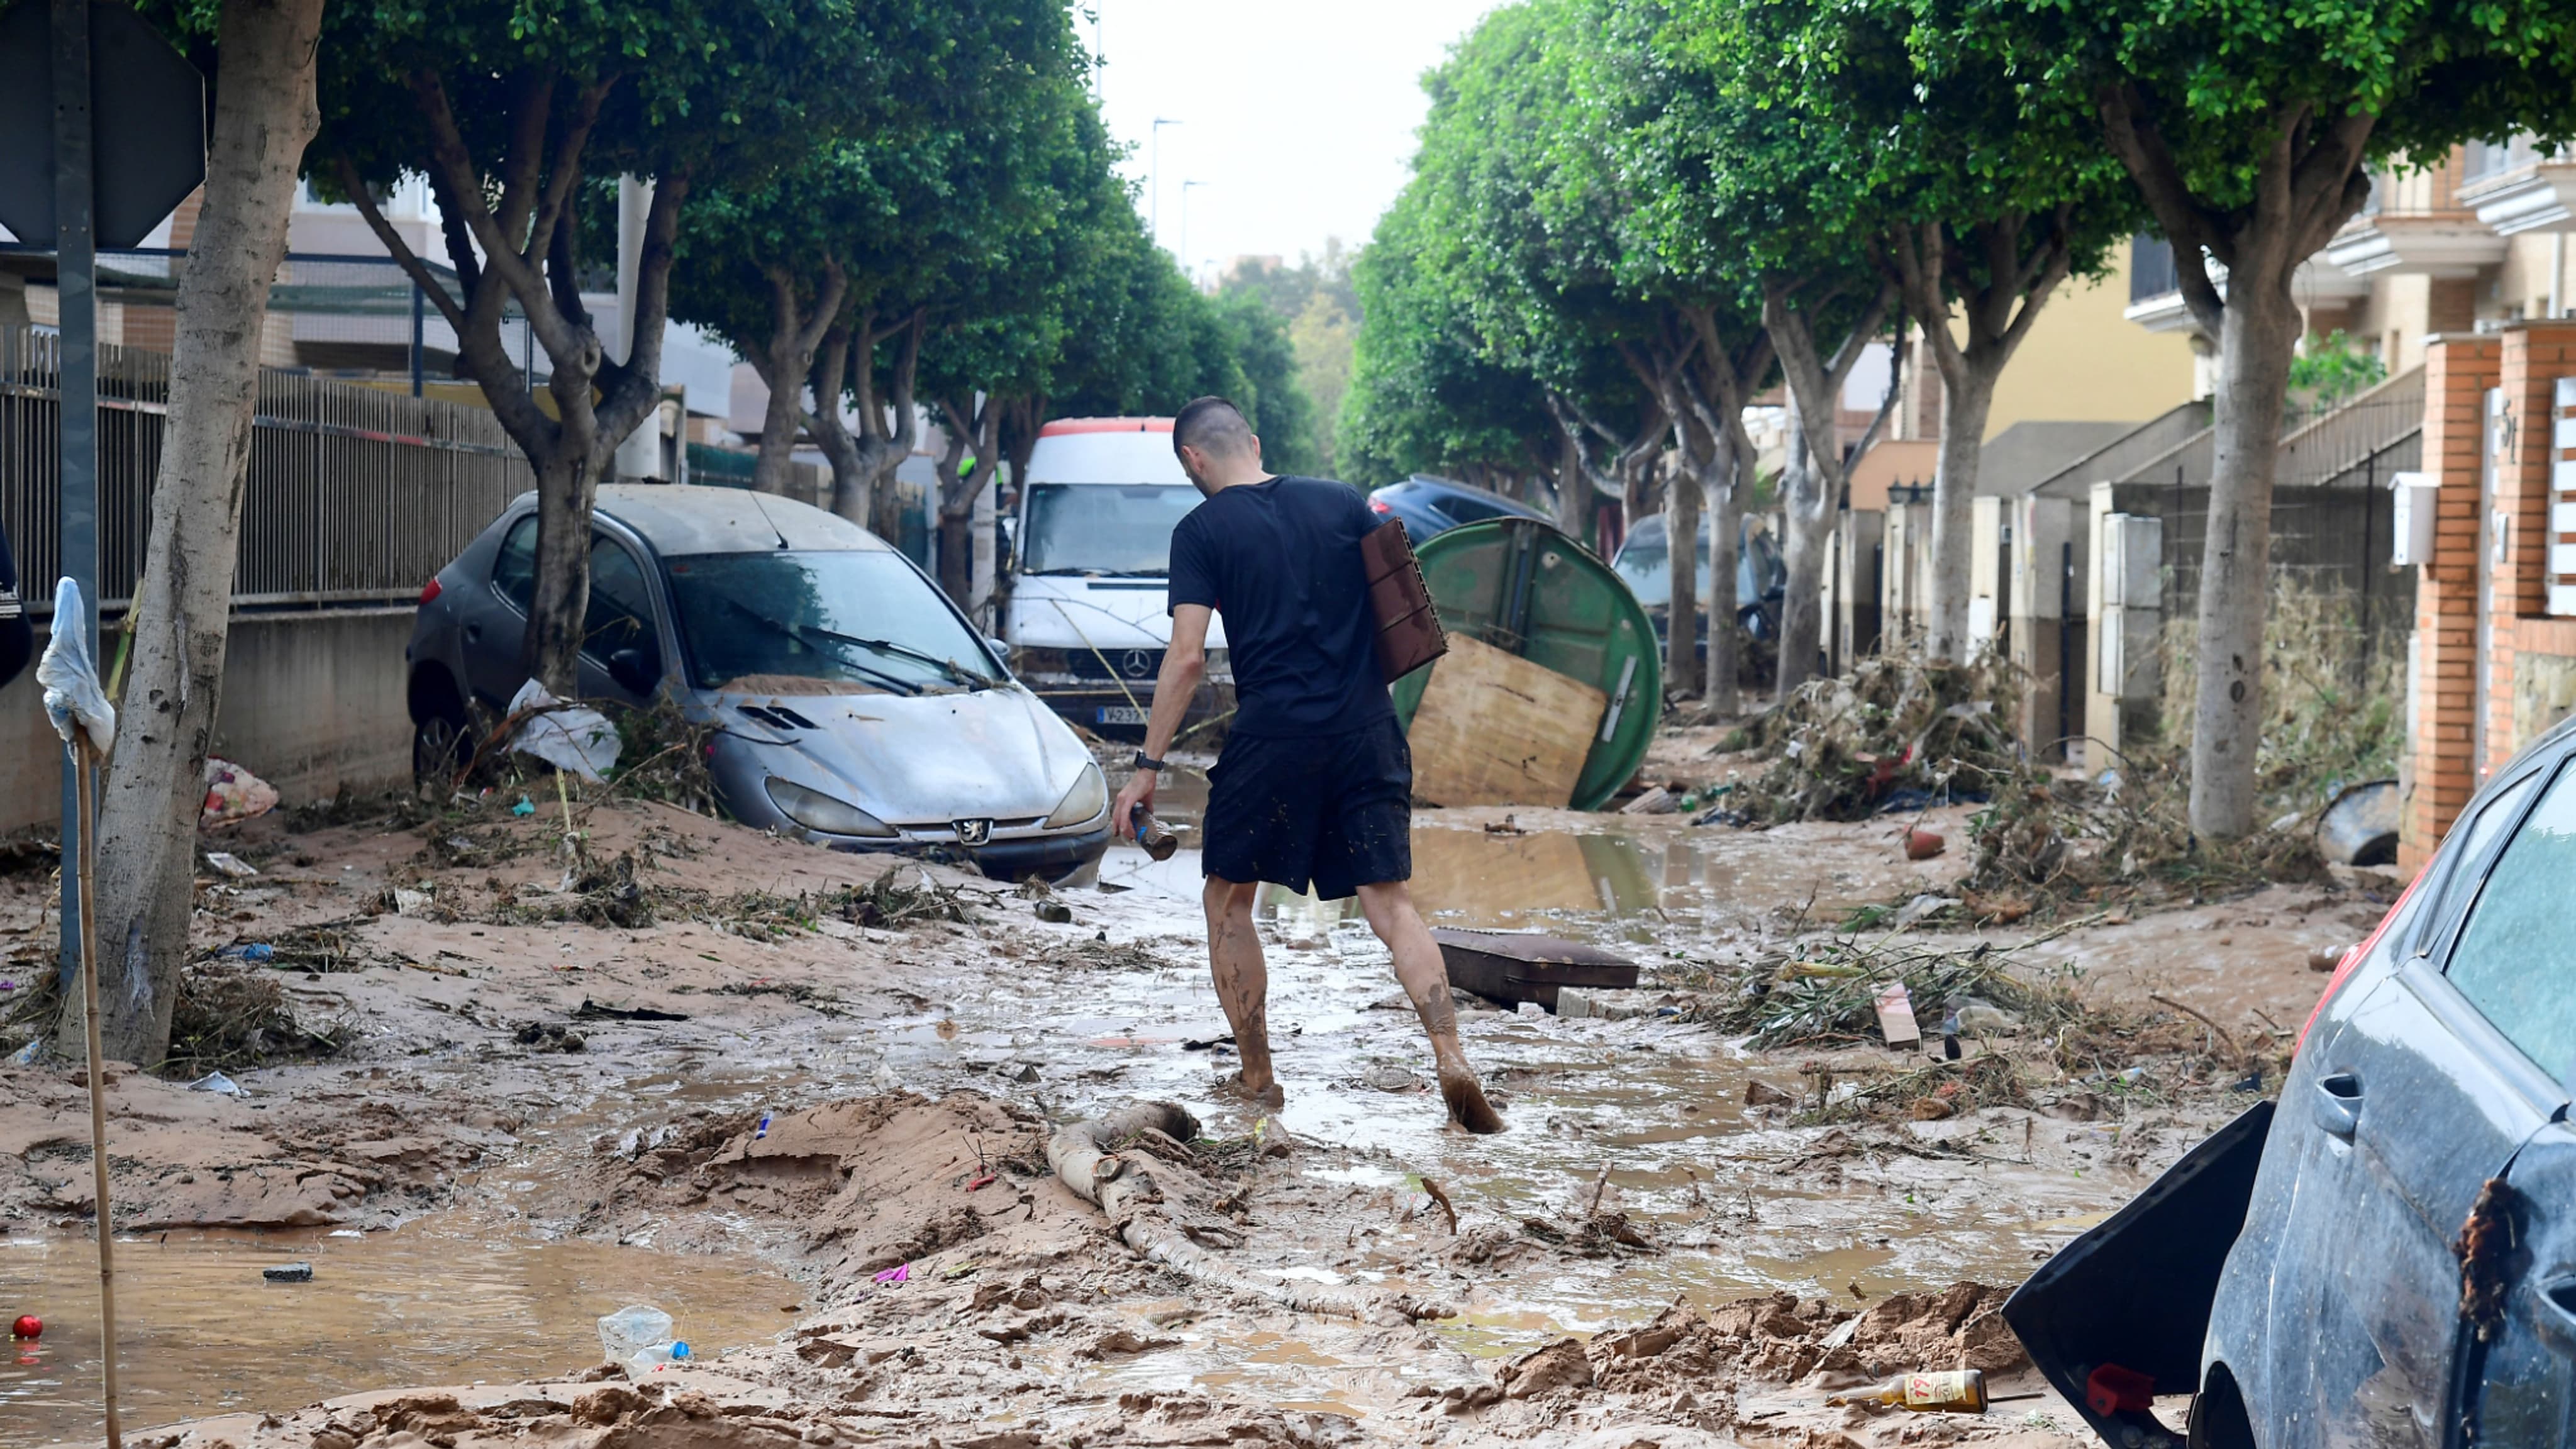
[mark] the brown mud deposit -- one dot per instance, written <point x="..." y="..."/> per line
<point x="563" y="1073"/>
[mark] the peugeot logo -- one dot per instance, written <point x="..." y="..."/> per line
<point x="1136" y="664"/>
<point x="974" y="832"/>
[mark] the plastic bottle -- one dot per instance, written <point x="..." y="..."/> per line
<point x="1953" y="1391"/>
<point x="1156" y="838"/>
<point x="632" y="1330"/>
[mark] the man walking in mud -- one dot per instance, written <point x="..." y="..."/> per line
<point x="1315" y="784"/>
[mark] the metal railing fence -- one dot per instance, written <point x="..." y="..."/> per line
<point x="355" y="495"/>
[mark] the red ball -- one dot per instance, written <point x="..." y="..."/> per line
<point x="27" y="1326"/>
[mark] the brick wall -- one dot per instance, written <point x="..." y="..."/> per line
<point x="2458" y="370"/>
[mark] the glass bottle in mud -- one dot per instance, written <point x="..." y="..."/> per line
<point x="1955" y="1391"/>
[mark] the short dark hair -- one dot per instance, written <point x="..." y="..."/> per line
<point x="1211" y="425"/>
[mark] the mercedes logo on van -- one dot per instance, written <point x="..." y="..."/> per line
<point x="1136" y="664"/>
<point x="974" y="832"/>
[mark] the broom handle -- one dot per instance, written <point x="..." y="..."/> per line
<point x="97" y="1090"/>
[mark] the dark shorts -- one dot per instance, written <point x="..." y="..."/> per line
<point x="1331" y="810"/>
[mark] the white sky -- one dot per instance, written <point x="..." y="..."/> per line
<point x="1296" y="115"/>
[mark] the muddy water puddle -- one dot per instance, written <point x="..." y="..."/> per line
<point x="442" y="1301"/>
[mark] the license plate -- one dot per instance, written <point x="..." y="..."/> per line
<point x="1121" y="714"/>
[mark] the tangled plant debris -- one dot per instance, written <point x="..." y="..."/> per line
<point x="1898" y="729"/>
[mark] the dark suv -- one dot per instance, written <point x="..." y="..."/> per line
<point x="1431" y="505"/>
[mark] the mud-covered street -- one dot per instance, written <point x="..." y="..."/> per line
<point x="801" y="1101"/>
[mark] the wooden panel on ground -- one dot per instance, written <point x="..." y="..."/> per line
<point x="1495" y="729"/>
<point x="1512" y="966"/>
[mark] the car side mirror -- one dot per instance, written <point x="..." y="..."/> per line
<point x="635" y="671"/>
<point x="1001" y="649"/>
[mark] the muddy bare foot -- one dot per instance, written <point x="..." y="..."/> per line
<point x="1272" y="1096"/>
<point x="1466" y="1098"/>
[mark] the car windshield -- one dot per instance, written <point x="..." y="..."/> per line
<point x="820" y="623"/>
<point x="1647" y="564"/>
<point x="1103" y="528"/>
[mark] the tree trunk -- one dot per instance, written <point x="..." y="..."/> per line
<point x="891" y="442"/>
<point x="2257" y="341"/>
<point x="1807" y="516"/>
<point x="781" y="420"/>
<point x="1573" y="485"/>
<point x="1968" y="397"/>
<point x="265" y="115"/>
<point x="1725" y="525"/>
<point x="567" y="488"/>
<point x="1681" y="629"/>
<point x="831" y="374"/>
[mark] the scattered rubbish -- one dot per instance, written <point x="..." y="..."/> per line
<point x="2115" y="1389"/>
<point x="1512" y="967"/>
<point x="1980" y="1018"/>
<point x="549" y="1036"/>
<point x="408" y="902"/>
<point x="981" y="1182"/>
<point x="233" y="795"/>
<point x="1529" y="1008"/>
<point x="27" y="1326"/>
<point x="28" y="1054"/>
<point x="762" y="1130"/>
<point x="1896" y="1017"/>
<point x="1759" y="1093"/>
<point x="219" y="1084"/>
<point x="1054" y="912"/>
<point x="631" y="1330"/>
<point x="1154" y="837"/>
<point x="1657" y="801"/>
<point x="1922" y="844"/>
<point x="592" y="1011"/>
<point x="1506" y="826"/>
<point x="1574" y="1002"/>
<point x="231" y="864"/>
<point x="2360" y="826"/>
<point x="1923" y="908"/>
<point x="1210" y="1044"/>
<point x="569" y="737"/>
<point x="900" y="1273"/>
<point x="2326" y="958"/>
<point x="1952" y="1391"/>
<point x="525" y="807"/>
<point x="256" y="952"/>
<point x="1898" y="722"/>
<point x="288" y="1273"/>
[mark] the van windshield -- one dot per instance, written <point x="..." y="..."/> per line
<point x="821" y="623"/>
<point x="1103" y="528"/>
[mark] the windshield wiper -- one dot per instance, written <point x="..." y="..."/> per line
<point x="1078" y="571"/>
<point x="801" y="634"/>
<point x="951" y="668"/>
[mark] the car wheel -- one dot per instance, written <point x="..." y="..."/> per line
<point x="2218" y="1416"/>
<point x="440" y="747"/>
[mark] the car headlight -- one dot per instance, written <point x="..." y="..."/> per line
<point x="817" y="811"/>
<point x="1088" y="797"/>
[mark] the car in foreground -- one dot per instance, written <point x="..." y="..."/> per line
<point x="850" y="703"/>
<point x="2386" y="1256"/>
<point x="1431" y="506"/>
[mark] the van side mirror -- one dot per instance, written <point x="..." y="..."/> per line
<point x="635" y="671"/>
<point x="1001" y="649"/>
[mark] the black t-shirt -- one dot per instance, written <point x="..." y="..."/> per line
<point x="1281" y="561"/>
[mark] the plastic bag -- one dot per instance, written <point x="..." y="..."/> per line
<point x="567" y="736"/>
<point x="233" y="795"/>
<point x="73" y="698"/>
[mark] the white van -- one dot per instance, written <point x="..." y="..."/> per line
<point x="1088" y="619"/>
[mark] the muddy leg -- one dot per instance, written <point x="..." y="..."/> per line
<point x="1389" y="906"/>
<point x="1242" y="982"/>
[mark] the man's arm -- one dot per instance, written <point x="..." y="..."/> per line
<point x="1183" y="666"/>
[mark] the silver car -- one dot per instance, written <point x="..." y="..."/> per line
<point x="853" y="705"/>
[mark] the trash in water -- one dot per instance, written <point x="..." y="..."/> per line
<point x="1923" y="907"/>
<point x="231" y="864"/>
<point x="219" y="1084"/>
<point x="288" y="1273"/>
<point x="27" y="1326"/>
<point x="2326" y="958"/>
<point x="233" y="795"/>
<point x="1896" y="1016"/>
<point x="1514" y="967"/>
<point x="252" y="951"/>
<point x="409" y="902"/>
<point x="1921" y="844"/>
<point x="525" y="806"/>
<point x="1530" y="1008"/>
<point x="1953" y="1391"/>
<point x="762" y="1130"/>
<point x="592" y="1011"/>
<point x="1055" y="913"/>
<point x="900" y="1273"/>
<point x="27" y="1054"/>
<point x="1982" y="1018"/>
<point x="631" y="1330"/>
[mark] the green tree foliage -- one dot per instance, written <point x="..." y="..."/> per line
<point x="2246" y="130"/>
<point x="1319" y="304"/>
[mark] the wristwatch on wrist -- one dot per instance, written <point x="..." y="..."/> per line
<point x="1147" y="762"/>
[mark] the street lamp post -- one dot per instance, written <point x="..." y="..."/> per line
<point x="1154" y="183"/>
<point x="1186" y="188"/>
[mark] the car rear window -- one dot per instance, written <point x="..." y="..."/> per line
<point x="2516" y="959"/>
